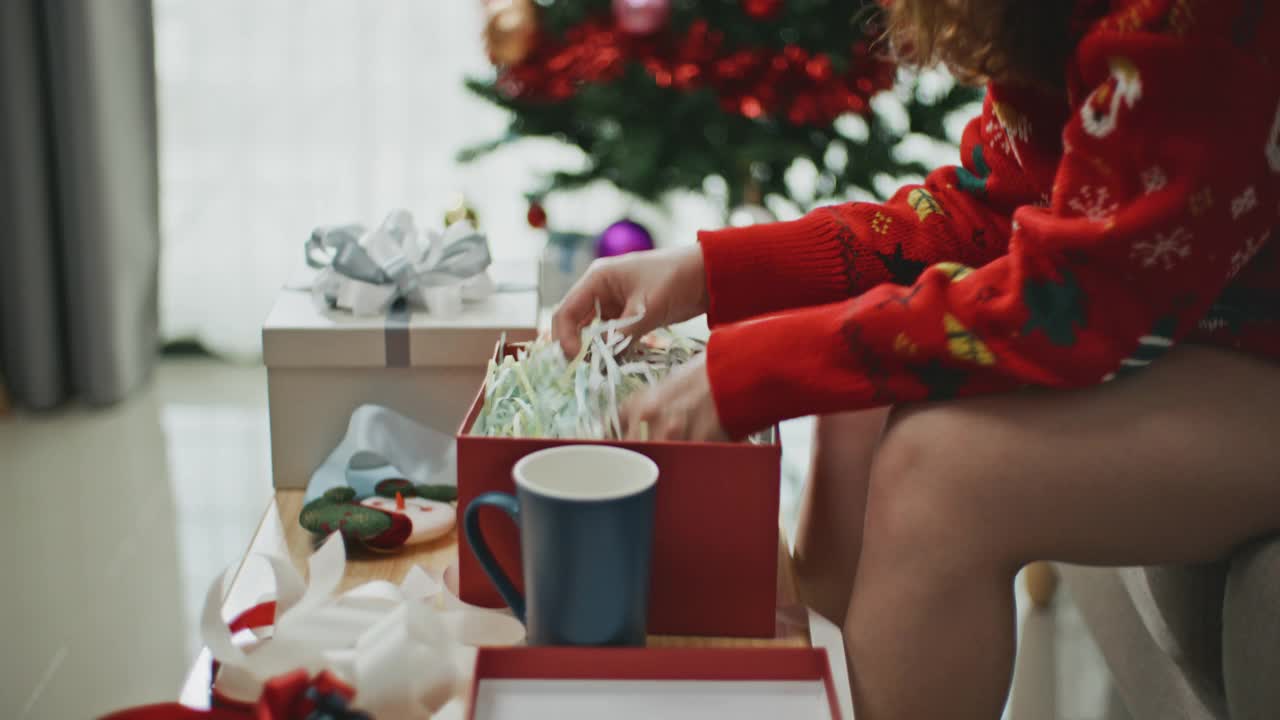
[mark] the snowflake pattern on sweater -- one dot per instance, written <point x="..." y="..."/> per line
<point x="968" y="284"/>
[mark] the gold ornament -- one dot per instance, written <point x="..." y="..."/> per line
<point x="459" y="211"/>
<point x="509" y="30"/>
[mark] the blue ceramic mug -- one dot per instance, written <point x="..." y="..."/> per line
<point x="585" y="514"/>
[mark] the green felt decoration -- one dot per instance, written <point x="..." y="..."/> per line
<point x="325" y="515"/>
<point x="439" y="493"/>
<point x="389" y="488"/>
<point x="340" y="494"/>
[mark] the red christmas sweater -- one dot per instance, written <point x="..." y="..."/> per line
<point x="1084" y="236"/>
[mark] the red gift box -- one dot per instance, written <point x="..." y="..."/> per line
<point x="761" y="674"/>
<point x="715" y="545"/>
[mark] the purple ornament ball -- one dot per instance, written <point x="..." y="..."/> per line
<point x="623" y="237"/>
<point x="641" y="17"/>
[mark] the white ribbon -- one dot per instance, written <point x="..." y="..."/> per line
<point x="406" y="649"/>
<point x="365" y="272"/>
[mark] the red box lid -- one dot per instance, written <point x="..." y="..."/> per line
<point x="710" y="665"/>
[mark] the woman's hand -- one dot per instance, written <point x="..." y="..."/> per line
<point x="680" y="407"/>
<point x="668" y="284"/>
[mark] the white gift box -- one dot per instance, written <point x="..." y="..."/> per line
<point x="323" y="364"/>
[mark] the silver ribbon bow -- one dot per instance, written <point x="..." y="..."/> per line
<point x="365" y="272"/>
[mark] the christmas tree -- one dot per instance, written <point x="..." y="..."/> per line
<point x="662" y="94"/>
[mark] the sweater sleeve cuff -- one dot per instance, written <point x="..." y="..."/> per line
<point x="788" y="365"/>
<point x="801" y="263"/>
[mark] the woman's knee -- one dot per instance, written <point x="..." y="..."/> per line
<point x="930" y="498"/>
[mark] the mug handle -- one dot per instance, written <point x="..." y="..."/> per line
<point x="475" y="538"/>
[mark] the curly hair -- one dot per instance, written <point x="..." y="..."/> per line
<point x="1009" y="41"/>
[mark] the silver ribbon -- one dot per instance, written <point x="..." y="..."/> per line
<point x="366" y="271"/>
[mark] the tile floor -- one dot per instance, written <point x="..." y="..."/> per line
<point x="154" y="497"/>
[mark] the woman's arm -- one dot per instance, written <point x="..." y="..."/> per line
<point x="1167" y="188"/>
<point x="834" y="253"/>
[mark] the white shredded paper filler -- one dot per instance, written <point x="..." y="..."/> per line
<point x="539" y="393"/>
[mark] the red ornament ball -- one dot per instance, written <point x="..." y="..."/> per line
<point x="641" y="17"/>
<point x="623" y="237"/>
<point x="537" y="216"/>
<point x="762" y="9"/>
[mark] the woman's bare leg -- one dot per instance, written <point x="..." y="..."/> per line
<point x="829" y="533"/>
<point x="1178" y="464"/>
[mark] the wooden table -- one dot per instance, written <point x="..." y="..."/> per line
<point x="280" y="534"/>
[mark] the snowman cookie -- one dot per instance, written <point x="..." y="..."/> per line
<point x="429" y="519"/>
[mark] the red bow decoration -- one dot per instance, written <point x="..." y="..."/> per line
<point x="292" y="696"/>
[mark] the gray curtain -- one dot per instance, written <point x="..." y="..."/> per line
<point x="79" y="220"/>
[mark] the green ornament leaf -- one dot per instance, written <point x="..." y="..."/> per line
<point x="339" y="495"/>
<point x="439" y="493"/>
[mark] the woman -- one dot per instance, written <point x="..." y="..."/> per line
<point x="1061" y="350"/>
